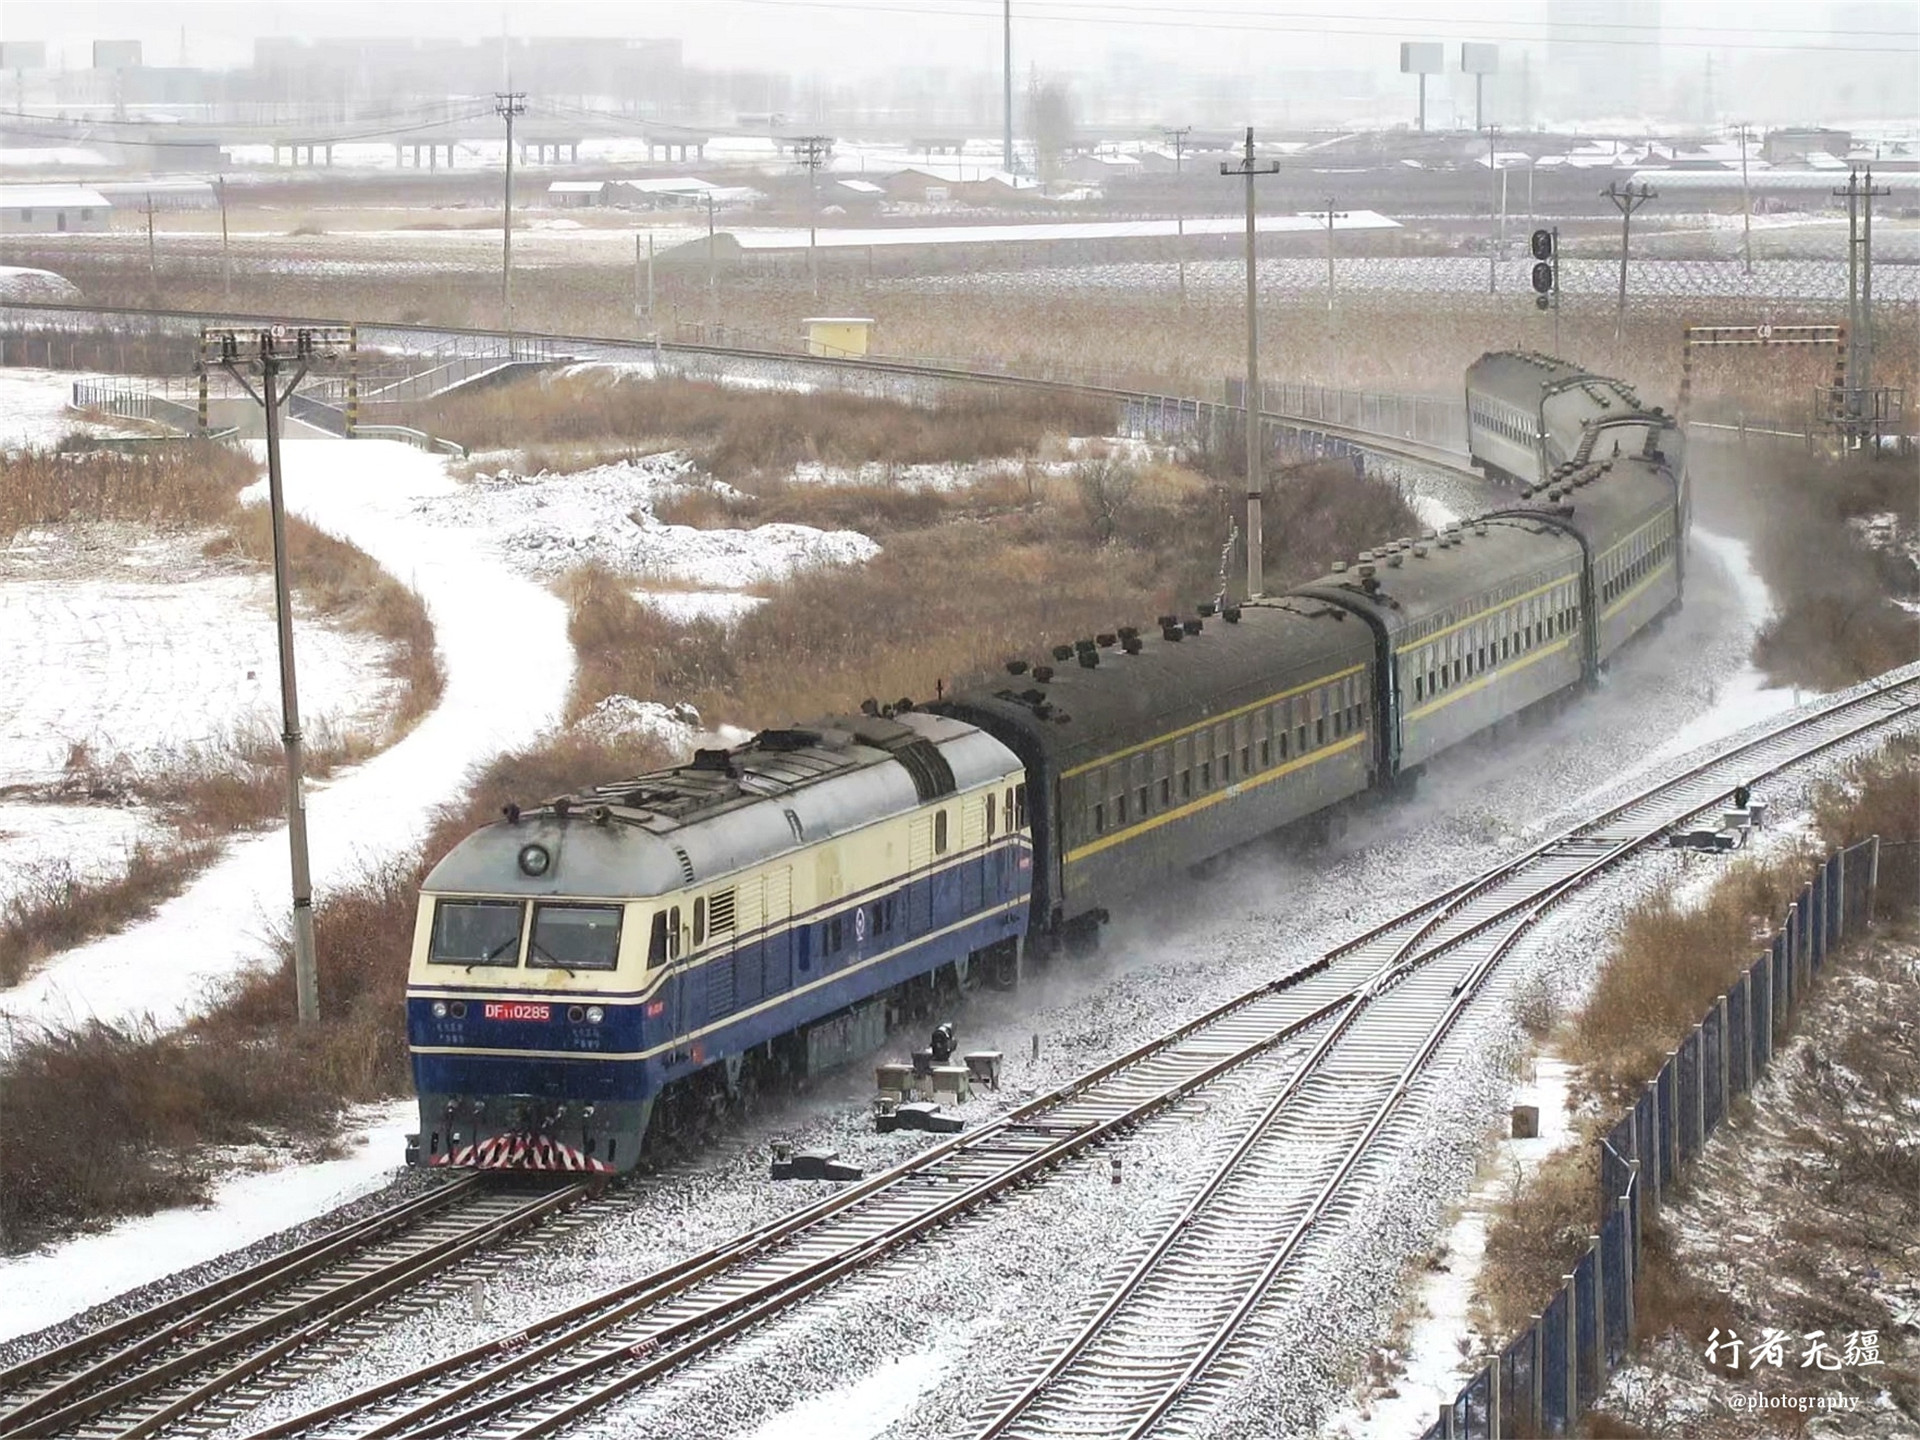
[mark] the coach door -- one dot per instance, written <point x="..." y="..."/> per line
<point x="777" y="948"/>
<point x="919" y="874"/>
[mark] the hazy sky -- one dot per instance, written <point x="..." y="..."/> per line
<point x="863" y="35"/>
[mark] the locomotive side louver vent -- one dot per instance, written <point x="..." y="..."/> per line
<point x="720" y="913"/>
<point x="686" y="865"/>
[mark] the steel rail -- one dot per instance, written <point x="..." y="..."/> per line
<point x="184" y="1313"/>
<point x="1512" y="920"/>
<point x="647" y="1352"/>
<point x="1393" y="446"/>
<point x="109" y="1387"/>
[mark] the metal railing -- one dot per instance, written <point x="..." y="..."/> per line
<point x="1541" y="1381"/>
<point x="417" y="438"/>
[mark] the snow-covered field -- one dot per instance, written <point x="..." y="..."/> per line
<point x="503" y="641"/>
<point x="140" y="648"/>
<point x="547" y="524"/>
<point x="36" y="410"/>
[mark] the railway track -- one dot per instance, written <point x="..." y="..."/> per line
<point x="1303" y="1166"/>
<point x="1345" y="1040"/>
<point x="192" y="1363"/>
<point x="413" y="338"/>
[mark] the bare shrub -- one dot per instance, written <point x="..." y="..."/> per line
<point x="740" y="434"/>
<point x="623" y="647"/>
<point x="1105" y="486"/>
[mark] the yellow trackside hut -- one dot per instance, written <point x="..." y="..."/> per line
<point x="837" y="337"/>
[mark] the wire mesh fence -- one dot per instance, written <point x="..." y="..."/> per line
<point x="1544" y="1378"/>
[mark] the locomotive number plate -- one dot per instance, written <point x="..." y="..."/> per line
<point x="517" y="1010"/>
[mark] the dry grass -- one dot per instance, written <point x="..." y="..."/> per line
<point x="178" y="487"/>
<point x="58" y="907"/>
<point x="996" y="574"/>
<point x="737" y="435"/>
<point x="1666" y="968"/>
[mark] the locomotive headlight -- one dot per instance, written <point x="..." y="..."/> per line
<point x="439" y="1009"/>
<point x="535" y="860"/>
<point x="595" y="1014"/>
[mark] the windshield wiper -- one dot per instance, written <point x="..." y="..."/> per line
<point x="534" y="951"/>
<point x="495" y="953"/>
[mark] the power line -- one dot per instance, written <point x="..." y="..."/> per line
<point x="1110" y="13"/>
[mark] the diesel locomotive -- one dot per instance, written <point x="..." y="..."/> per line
<point x="613" y="965"/>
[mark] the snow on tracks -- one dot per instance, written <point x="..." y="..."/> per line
<point x="503" y="641"/>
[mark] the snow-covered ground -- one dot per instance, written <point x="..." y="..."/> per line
<point x="141" y="648"/>
<point x="508" y="664"/>
<point x="36" y="409"/>
<point x="42" y="843"/>
<point x="45" y="1287"/>
<point x="547" y="524"/>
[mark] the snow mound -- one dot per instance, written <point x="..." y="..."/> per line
<point x="547" y="524"/>
<point x="22" y="282"/>
<point x="619" y="716"/>
<point x="728" y="607"/>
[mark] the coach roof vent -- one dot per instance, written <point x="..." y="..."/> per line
<point x="1171" y="632"/>
<point x="1063" y="652"/>
<point x="1043" y="673"/>
<point x="1016" y="666"/>
<point x="1339" y="567"/>
<point x="1089" y="659"/>
<point x="1132" y="645"/>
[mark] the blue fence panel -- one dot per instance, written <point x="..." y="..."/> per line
<point x="1669" y="1150"/>
<point x="1615" y="1153"/>
<point x="1646" y="1133"/>
<point x="1555" y="1361"/>
<point x="1687" y="1098"/>
<point x="1782" y="993"/>
<point x="1712" y="1055"/>
<point x="1434" y="1432"/>
<point x="1803" y="941"/>
<point x="1475" y="1409"/>
<point x="1586" y="1337"/>
<point x="1518" y="1414"/>
<point x="1739" y="1042"/>
<point x="1615" y="1272"/>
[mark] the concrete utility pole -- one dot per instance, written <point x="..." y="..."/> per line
<point x="1626" y="199"/>
<point x="1006" y="77"/>
<point x="1493" y="205"/>
<point x="812" y="151"/>
<point x="1862" y="411"/>
<point x="710" y="266"/>
<point x="508" y="104"/>
<point x="226" y="250"/>
<point x="1746" y="209"/>
<point x="1178" y="139"/>
<point x="1332" y="215"/>
<point x="268" y="350"/>
<point x="1250" y="168"/>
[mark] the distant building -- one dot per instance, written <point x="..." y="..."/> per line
<point x="52" y="209"/>
<point x="1786" y="147"/>
<point x="577" y="193"/>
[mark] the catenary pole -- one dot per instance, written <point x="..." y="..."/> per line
<point x="275" y="348"/>
<point x="1626" y="199"/>
<point x="1250" y="168"/>
<point x="508" y="104"/>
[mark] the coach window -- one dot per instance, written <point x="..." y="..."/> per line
<point x="700" y="922"/>
<point x="1141" y="796"/>
<point x="575" y="937"/>
<point x="990" y="817"/>
<point x="939" y="832"/>
<point x="1100" y="819"/>
<point x="477" y="932"/>
<point x="1120" y="811"/>
<point x="1020" y="807"/>
<point x="665" y="943"/>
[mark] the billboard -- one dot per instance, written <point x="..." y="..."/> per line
<point x="1479" y="59"/>
<point x="116" y="54"/>
<point x="1422" y="57"/>
<point x="23" y="55"/>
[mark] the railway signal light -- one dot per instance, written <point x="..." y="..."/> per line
<point x="1546" y="268"/>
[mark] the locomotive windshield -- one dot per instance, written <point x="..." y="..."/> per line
<point x="477" y="932"/>
<point x="575" y="937"/>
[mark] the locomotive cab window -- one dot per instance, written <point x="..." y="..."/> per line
<point x="575" y="937"/>
<point x="939" y="832"/>
<point x="477" y="932"/>
<point x="1020" y="807"/>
